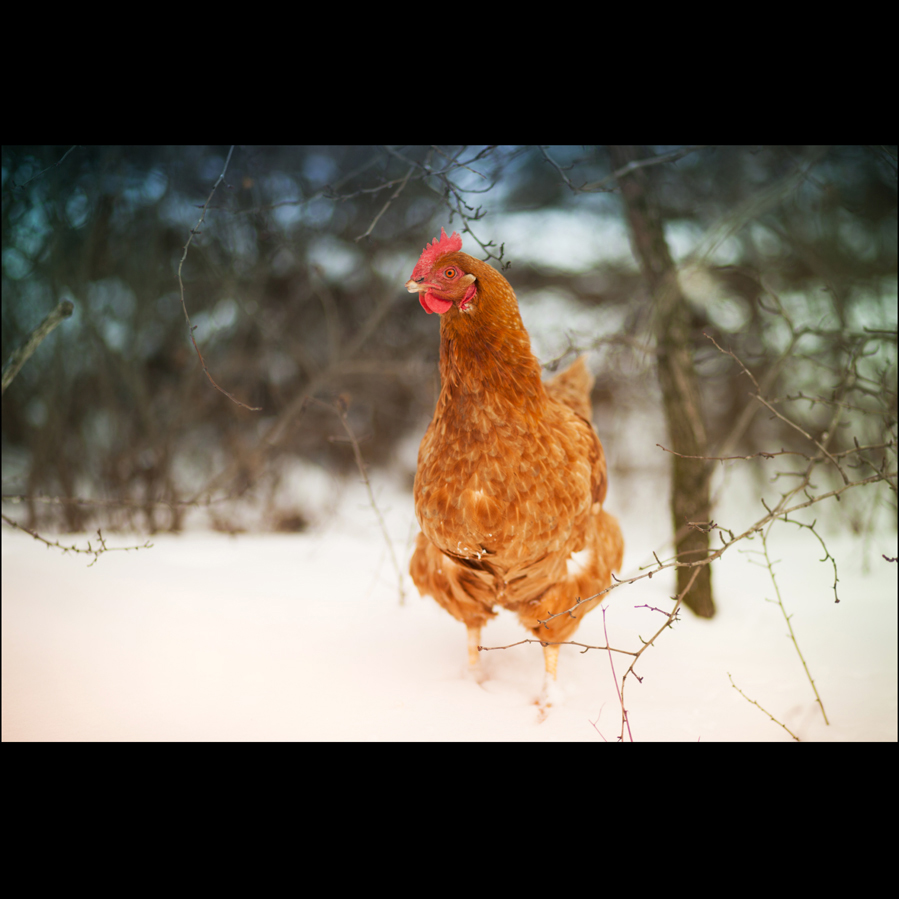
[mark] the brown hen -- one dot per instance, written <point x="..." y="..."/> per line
<point x="511" y="475"/>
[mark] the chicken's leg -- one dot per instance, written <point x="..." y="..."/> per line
<point x="474" y="640"/>
<point x="551" y="660"/>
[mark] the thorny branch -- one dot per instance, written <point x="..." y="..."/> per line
<point x="753" y="702"/>
<point x="780" y="512"/>
<point x="453" y="194"/>
<point x="827" y="434"/>
<point x="618" y="689"/>
<point x="770" y="566"/>
<point x="763" y="454"/>
<point x="795" y="499"/>
<point x="669" y="621"/>
<point x="438" y="171"/>
<point x="95" y="551"/>
<point x="586" y="646"/>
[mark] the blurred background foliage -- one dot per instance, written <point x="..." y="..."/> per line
<point x="295" y="287"/>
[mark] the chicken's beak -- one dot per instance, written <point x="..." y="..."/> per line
<point x="414" y="286"/>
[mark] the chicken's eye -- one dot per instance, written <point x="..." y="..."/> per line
<point x="450" y="273"/>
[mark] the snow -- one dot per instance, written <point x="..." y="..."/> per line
<point x="302" y="637"/>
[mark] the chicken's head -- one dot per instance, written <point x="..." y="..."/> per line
<point x="439" y="280"/>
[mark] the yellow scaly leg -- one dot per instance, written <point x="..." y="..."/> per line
<point x="474" y="640"/>
<point x="551" y="660"/>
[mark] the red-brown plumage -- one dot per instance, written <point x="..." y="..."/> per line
<point x="511" y="475"/>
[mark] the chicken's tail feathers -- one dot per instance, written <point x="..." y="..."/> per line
<point x="610" y="540"/>
<point x="572" y="387"/>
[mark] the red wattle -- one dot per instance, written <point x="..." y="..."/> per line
<point x="431" y="303"/>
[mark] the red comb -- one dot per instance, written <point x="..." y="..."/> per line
<point x="434" y="250"/>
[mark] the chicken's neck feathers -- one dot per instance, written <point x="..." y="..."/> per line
<point x="485" y="353"/>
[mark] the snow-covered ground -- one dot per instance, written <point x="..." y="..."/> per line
<point x="272" y="637"/>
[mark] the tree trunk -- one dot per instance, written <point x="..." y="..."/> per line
<point x="677" y="376"/>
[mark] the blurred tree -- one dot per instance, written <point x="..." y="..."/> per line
<point x="690" y="502"/>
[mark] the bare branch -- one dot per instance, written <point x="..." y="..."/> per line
<point x="96" y="552"/>
<point x="805" y="434"/>
<point x="290" y="415"/>
<point x="560" y="170"/>
<point x="640" y="164"/>
<point x="770" y="566"/>
<point x="781" y="511"/>
<point x="63" y="310"/>
<point x="192" y="328"/>
<point x="14" y="186"/>
<point x="340" y="406"/>
<point x="761" y="454"/>
<point x="669" y="621"/>
<point x="753" y="207"/>
<point x="386" y="206"/>
<point x="17" y="498"/>
<point x="585" y="646"/>
<point x="753" y="702"/>
<point x="615" y="679"/>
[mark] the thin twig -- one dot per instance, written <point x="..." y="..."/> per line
<point x="615" y="678"/>
<point x="386" y="206"/>
<point x="752" y="208"/>
<point x="761" y="454"/>
<point x="340" y="407"/>
<point x="584" y="646"/>
<point x="804" y="433"/>
<point x="640" y="164"/>
<point x="90" y="551"/>
<point x="560" y="170"/>
<point x="778" y="511"/>
<point x="672" y="617"/>
<point x="753" y="702"/>
<point x="14" y="186"/>
<point x="770" y="566"/>
<point x="16" y="498"/>
<point x="192" y="328"/>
